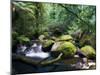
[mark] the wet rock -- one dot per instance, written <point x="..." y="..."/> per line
<point x="55" y="46"/>
<point x="47" y="45"/>
<point x="92" y="65"/>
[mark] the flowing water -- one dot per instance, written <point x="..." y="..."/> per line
<point x="36" y="51"/>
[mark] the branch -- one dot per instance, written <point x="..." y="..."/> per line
<point x="53" y="60"/>
<point x="33" y="62"/>
<point x="24" y="59"/>
<point x="73" y="14"/>
<point x="45" y="62"/>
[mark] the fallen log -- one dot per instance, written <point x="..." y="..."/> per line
<point x="30" y="60"/>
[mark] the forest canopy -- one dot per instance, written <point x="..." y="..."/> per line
<point x="32" y="19"/>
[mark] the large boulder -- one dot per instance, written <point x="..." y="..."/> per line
<point x="55" y="46"/>
<point x="89" y="51"/>
<point x="65" y="38"/>
<point x="67" y="48"/>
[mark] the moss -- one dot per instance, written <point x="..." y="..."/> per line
<point x="67" y="48"/>
<point x="65" y="38"/>
<point x="23" y="39"/>
<point x="88" y="51"/>
<point x="41" y="37"/>
<point x="46" y="34"/>
<point x="47" y="43"/>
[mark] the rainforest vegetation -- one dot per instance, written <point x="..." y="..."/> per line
<point x="68" y="26"/>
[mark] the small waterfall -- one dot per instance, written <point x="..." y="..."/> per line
<point x="36" y="51"/>
<point x="21" y="49"/>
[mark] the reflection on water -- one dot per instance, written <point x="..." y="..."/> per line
<point x="22" y="68"/>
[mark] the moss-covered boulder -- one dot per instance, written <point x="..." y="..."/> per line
<point x="67" y="48"/>
<point x="47" y="43"/>
<point x="89" y="51"/>
<point x="65" y="38"/>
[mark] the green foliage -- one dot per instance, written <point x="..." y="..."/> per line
<point x="22" y="39"/>
<point x="33" y="19"/>
<point x="14" y="38"/>
<point x="67" y="48"/>
<point x="88" y="51"/>
<point x="14" y="35"/>
<point x="28" y="18"/>
<point x="87" y="39"/>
